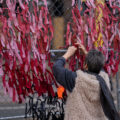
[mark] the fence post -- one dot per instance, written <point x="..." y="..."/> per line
<point x="79" y="4"/>
<point x="118" y="91"/>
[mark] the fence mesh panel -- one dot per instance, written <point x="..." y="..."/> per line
<point x="57" y="8"/>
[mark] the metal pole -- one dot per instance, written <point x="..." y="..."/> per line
<point x="14" y="117"/>
<point x="79" y="4"/>
<point x="59" y="50"/>
<point x="118" y="91"/>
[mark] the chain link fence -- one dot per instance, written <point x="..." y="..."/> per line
<point x="58" y="9"/>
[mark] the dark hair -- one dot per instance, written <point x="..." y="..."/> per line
<point x="95" y="61"/>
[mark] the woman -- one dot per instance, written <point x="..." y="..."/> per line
<point x="89" y="97"/>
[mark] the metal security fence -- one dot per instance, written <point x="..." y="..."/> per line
<point x="57" y="8"/>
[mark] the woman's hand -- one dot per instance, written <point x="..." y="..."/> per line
<point x="81" y="48"/>
<point x="70" y="52"/>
